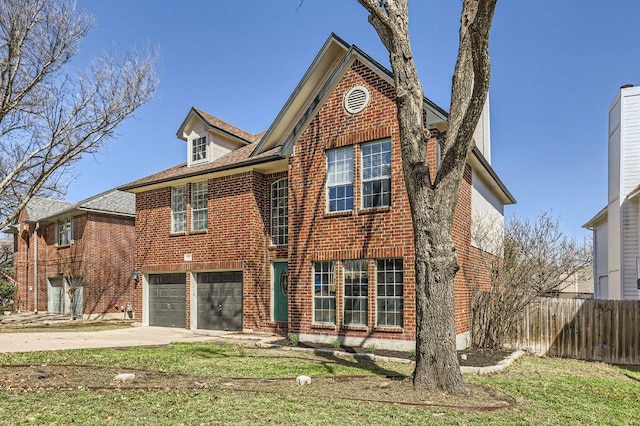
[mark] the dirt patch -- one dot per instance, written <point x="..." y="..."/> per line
<point x="470" y="357"/>
<point x="393" y="390"/>
<point x="32" y="326"/>
<point x="57" y="377"/>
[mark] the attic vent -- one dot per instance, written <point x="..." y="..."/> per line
<point x="356" y="99"/>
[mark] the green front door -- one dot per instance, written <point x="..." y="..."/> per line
<point x="280" y="291"/>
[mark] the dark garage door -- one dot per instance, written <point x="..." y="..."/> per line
<point x="167" y="298"/>
<point x="220" y="301"/>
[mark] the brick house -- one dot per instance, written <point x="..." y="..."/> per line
<point x="89" y="244"/>
<point x="305" y="228"/>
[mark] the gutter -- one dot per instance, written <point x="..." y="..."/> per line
<point x="35" y="268"/>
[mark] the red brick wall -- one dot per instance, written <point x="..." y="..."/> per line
<point x="360" y="234"/>
<point x="102" y="253"/>
<point x="237" y="239"/>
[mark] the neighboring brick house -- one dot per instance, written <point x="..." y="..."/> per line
<point x="58" y="244"/>
<point x="306" y="228"/>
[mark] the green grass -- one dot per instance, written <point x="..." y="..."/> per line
<point x="547" y="391"/>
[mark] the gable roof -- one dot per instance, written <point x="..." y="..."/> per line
<point x="217" y="125"/>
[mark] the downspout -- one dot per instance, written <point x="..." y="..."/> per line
<point x="35" y="268"/>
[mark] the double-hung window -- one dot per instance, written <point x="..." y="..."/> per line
<point x="324" y="292"/>
<point x="340" y="179"/>
<point x="64" y="231"/>
<point x="390" y="290"/>
<point x="179" y="209"/>
<point x="198" y="149"/>
<point x="376" y="174"/>
<point x="356" y="291"/>
<point x="280" y="212"/>
<point x="199" y="206"/>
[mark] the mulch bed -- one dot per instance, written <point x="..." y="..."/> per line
<point x="470" y="357"/>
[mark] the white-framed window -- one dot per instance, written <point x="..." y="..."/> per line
<point x="356" y="291"/>
<point x="389" y="297"/>
<point x="64" y="231"/>
<point x="324" y="292"/>
<point x="280" y="212"/>
<point x="198" y="149"/>
<point x="199" y="204"/>
<point x="376" y="174"/>
<point x="340" y="179"/>
<point x="179" y="209"/>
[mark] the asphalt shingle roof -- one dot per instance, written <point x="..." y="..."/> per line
<point x="229" y="128"/>
<point x="113" y="201"/>
<point x="236" y="158"/>
<point x="40" y="207"/>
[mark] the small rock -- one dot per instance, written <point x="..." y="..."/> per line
<point x="303" y="380"/>
<point x="125" y="378"/>
<point x="383" y="385"/>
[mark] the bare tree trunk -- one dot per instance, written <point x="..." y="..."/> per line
<point x="433" y="202"/>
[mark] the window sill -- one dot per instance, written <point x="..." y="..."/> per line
<point x="373" y="210"/>
<point x="323" y="326"/>
<point x="203" y="231"/>
<point x="278" y="246"/>
<point x="355" y="327"/>
<point x="388" y="329"/>
<point x="329" y="215"/>
<point x="177" y="234"/>
<point x="62" y="246"/>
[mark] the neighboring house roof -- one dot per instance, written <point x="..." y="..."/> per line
<point x="113" y="202"/>
<point x="39" y="207"/>
<point x="215" y="123"/>
<point x="235" y="159"/>
<point x="599" y="217"/>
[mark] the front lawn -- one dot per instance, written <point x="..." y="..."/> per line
<point x="208" y="383"/>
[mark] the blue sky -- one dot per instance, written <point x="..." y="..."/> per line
<point x="556" y="67"/>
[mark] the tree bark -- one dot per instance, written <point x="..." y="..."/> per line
<point x="433" y="202"/>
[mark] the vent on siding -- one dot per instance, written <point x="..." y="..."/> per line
<point x="356" y="99"/>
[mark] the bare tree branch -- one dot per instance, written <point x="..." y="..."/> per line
<point x="48" y="118"/>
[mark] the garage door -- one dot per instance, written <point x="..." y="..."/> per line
<point x="55" y="296"/>
<point x="220" y="300"/>
<point x="167" y="300"/>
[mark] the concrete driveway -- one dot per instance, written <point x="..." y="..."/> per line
<point x="133" y="336"/>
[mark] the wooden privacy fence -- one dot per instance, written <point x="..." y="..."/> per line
<point x="594" y="330"/>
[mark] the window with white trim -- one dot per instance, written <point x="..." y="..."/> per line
<point x="199" y="210"/>
<point x="340" y="179"/>
<point x="324" y="292"/>
<point x="179" y="209"/>
<point x="376" y="174"/>
<point x="356" y="291"/>
<point x="198" y="149"/>
<point x="64" y="231"/>
<point x="389" y="298"/>
<point x="280" y="212"/>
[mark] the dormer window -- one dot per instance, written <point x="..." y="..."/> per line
<point x="198" y="150"/>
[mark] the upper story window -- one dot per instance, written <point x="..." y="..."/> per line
<point x="64" y="231"/>
<point x="280" y="212"/>
<point x="340" y="179"/>
<point x="179" y="209"/>
<point x="376" y="174"/>
<point x="198" y="150"/>
<point x="199" y="211"/>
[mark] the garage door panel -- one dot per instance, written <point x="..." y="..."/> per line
<point x="220" y="300"/>
<point x="167" y="300"/>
